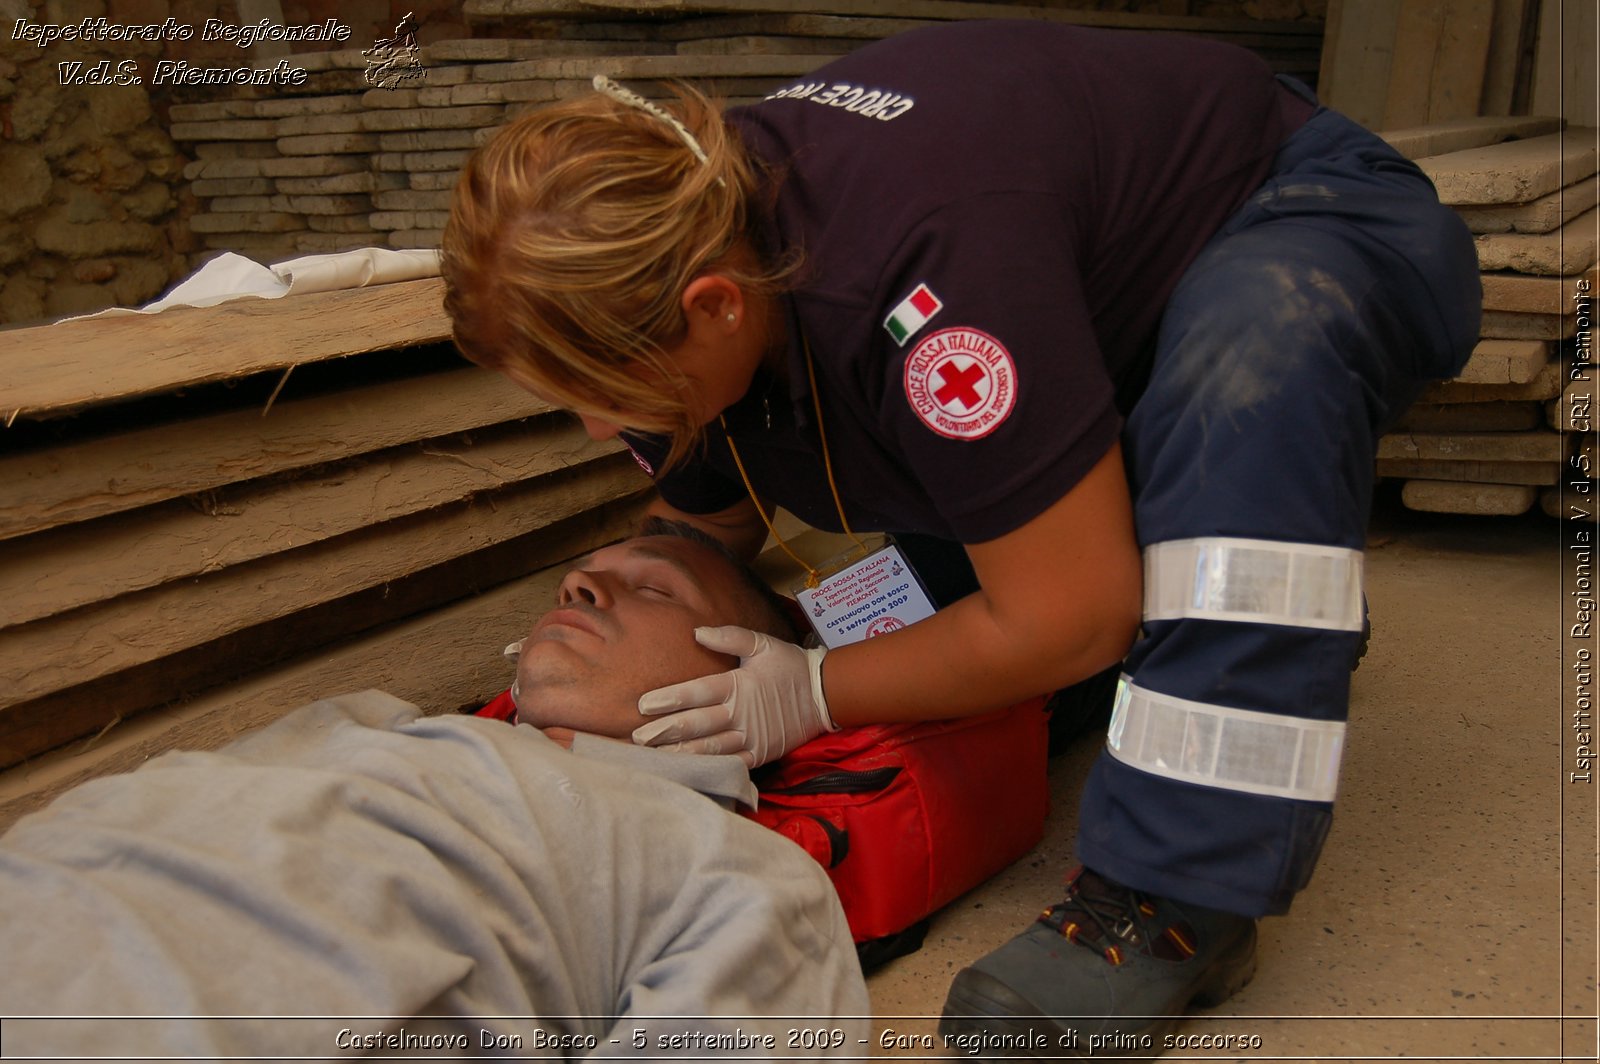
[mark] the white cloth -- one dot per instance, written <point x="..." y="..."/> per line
<point x="356" y="859"/>
<point x="232" y="276"/>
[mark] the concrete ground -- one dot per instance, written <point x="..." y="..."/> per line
<point x="1438" y="924"/>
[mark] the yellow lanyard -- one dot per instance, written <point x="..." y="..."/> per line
<point x="813" y="576"/>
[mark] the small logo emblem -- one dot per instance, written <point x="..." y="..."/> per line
<point x="393" y="61"/>
<point x="912" y="314"/>
<point x="962" y="383"/>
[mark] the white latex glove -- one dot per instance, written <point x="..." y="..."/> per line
<point x="766" y="707"/>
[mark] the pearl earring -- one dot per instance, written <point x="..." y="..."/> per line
<point x="732" y="318"/>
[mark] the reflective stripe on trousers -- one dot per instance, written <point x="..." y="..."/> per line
<point x="1236" y="749"/>
<point x="1227" y="578"/>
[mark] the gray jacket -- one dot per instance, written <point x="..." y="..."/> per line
<point x="403" y="883"/>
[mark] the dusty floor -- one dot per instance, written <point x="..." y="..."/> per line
<point x="1437" y="925"/>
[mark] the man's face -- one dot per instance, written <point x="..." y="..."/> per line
<point x="623" y="625"/>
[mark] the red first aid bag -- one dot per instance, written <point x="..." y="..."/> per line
<point x="907" y="817"/>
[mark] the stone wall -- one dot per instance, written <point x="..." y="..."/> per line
<point x="90" y="181"/>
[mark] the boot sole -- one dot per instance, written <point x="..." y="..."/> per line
<point x="986" y="1012"/>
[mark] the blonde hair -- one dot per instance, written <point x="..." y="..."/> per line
<point x="572" y="236"/>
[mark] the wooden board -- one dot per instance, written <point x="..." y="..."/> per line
<point x="53" y="369"/>
<point x="1276" y="38"/>
<point x="494" y="50"/>
<point x="1488" y="500"/>
<point x="1505" y="362"/>
<point x="58" y="652"/>
<point x="1358" y="57"/>
<point x="82" y="564"/>
<point x="441" y="660"/>
<point x="1514" y="172"/>
<point x="1564" y="63"/>
<point x="653" y="66"/>
<point x="1568" y="250"/>
<point x="1535" y="473"/>
<point x="757" y="45"/>
<point x="479" y="11"/>
<point x="809" y="26"/>
<point x="1535" y="446"/>
<point x="1543" y="215"/>
<point x="93" y="478"/>
<point x="1460" y="58"/>
<point x="1471" y="417"/>
<point x="1505" y="325"/>
<point x="1504" y="84"/>
<point x="1440" y="49"/>
<point x="1520" y="294"/>
<point x="1441" y="138"/>
<point x="1547" y="385"/>
<point x="1418" y="29"/>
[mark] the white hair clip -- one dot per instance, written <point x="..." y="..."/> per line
<point x="606" y="86"/>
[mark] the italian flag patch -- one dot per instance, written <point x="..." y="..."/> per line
<point x="912" y="314"/>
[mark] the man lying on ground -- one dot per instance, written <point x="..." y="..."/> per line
<point x="356" y="859"/>
<point x="905" y="818"/>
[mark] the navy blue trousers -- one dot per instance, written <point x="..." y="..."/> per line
<point x="1305" y="326"/>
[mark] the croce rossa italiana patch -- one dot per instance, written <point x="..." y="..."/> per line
<point x="961" y="382"/>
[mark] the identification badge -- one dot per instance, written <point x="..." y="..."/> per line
<point x="864" y="595"/>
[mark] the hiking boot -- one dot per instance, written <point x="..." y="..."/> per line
<point x="1108" y="972"/>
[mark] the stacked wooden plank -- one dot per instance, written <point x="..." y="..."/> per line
<point x="1509" y="431"/>
<point x="186" y="512"/>
<point x="446" y="659"/>
<point x="336" y="163"/>
<point x="1293" y="47"/>
<point x="1392" y="64"/>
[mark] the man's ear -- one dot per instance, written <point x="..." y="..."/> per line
<point x="713" y="306"/>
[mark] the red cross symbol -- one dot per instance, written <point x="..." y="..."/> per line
<point x="958" y="384"/>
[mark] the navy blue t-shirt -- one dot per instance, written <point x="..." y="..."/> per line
<point x="990" y="217"/>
